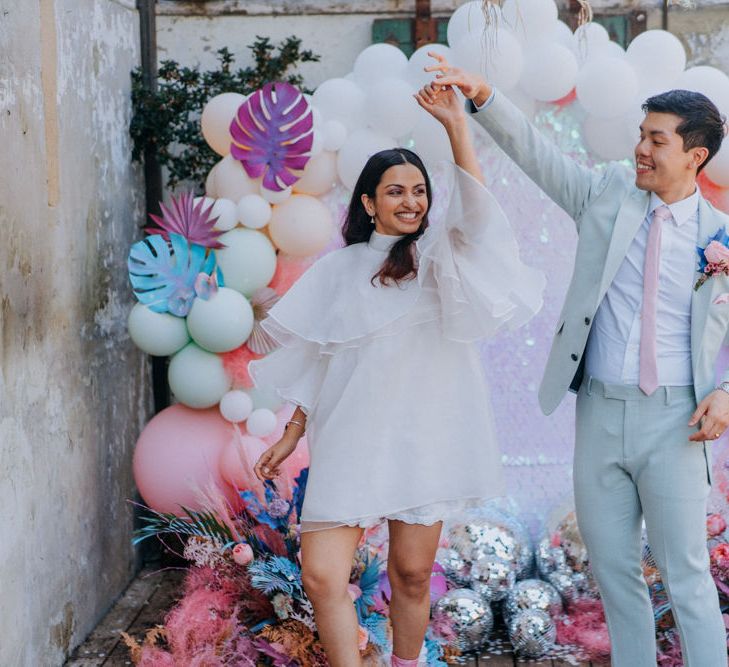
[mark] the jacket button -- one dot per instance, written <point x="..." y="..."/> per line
<point x="587" y="320"/>
<point x="574" y="357"/>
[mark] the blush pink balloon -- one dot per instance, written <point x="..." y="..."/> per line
<point x="237" y="459"/>
<point x="176" y="458"/>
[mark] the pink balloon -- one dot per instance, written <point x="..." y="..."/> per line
<point x="237" y="460"/>
<point x="176" y="458"/>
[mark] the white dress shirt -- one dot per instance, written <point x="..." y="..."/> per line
<point x="613" y="346"/>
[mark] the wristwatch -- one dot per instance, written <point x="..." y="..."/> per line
<point x="724" y="386"/>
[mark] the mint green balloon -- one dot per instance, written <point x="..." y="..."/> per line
<point x="248" y="261"/>
<point x="221" y="323"/>
<point x="197" y="378"/>
<point x="158" y="334"/>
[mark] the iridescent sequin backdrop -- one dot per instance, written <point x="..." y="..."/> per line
<point x="537" y="450"/>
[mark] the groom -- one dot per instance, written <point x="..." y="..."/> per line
<point x="637" y="342"/>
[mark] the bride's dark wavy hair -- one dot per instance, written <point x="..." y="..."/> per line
<point x="400" y="262"/>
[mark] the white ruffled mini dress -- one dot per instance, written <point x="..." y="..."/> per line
<point x="399" y="419"/>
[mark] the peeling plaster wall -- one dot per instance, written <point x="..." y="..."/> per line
<point x="73" y="390"/>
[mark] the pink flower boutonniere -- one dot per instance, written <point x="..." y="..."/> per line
<point x="714" y="258"/>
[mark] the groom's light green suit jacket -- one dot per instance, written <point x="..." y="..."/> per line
<point x="608" y="209"/>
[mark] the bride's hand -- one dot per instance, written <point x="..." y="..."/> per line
<point x="442" y="103"/>
<point x="473" y="86"/>
<point x="267" y="466"/>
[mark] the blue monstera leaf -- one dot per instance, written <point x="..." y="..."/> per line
<point x="163" y="277"/>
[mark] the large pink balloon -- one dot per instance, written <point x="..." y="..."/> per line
<point x="237" y="460"/>
<point x="176" y="458"/>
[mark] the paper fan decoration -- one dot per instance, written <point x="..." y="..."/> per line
<point x="188" y="219"/>
<point x="273" y="134"/>
<point x="262" y="301"/>
<point x="165" y="280"/>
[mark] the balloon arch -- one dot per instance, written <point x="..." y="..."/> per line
<point x="212" y="267"/>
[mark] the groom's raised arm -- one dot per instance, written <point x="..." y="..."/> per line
<point x="567" y="183"/>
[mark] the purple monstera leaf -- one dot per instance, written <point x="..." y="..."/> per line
<point x="272" y="135"/>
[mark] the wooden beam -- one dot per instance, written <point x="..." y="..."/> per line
<point x="425" y="29"/>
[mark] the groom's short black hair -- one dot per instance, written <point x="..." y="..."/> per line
<point x="701" y="123"/>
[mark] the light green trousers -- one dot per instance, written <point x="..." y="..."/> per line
<point x="633" y="461"/>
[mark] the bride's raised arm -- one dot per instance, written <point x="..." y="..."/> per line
<point x="443" y="104"/>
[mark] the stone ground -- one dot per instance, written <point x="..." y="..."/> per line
<point x="147" y="599"/>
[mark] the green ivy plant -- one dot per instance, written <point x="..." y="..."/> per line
<point x="167" y="121"/>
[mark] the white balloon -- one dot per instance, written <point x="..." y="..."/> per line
<point x="393" y="108"/>
<point x="377" y="59"/>
<point x="224" y="210"/>
<point x="658" y="57"/>
<point x="717" y="170"/>
<point x="501" y="61"/>
<point x="197" y="378"/>
<point x="301" y="226"/>
<point x="607" y="87"/>
<point x="236" y="406"/>
<point x="588" y="39"/>
<point x="431" y="140"/>
<point x="261" y="422"/>
<point x="550" y="71"/>
<point x="221" y="323"/>
<point x="276" y="196"/>
<point x="217" y="115"/>
<point x="355" y="152"/>
<point x="248" y="261"/>
<point x="253" y="211"/>
<point x="420" y="59"/>
<point x="530" y="19"/>
<point x="158" y="334"/>
<point x="606" y="50"/>
<point x="342" y="100"/>
<point x="707" y="80"/>
<point x="562" y="34"/>
<point x="320" y="175"/>
<point x="335" y="134"/>
<point x="608" y="138"/>
<point x="467" y="19"/>
<point x="231" y="180"/>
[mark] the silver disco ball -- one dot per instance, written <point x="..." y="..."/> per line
<point x="532" y="633"/>
<point x="455" y="566"/>
<point x="532" y="594"/>
<point x="464" y="618"/>
<point x="492" y="578"/>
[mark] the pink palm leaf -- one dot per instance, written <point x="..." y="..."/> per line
<point x="186" y="218"/>
<point x="272" y="135"/>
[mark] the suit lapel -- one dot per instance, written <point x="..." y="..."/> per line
<point x="630" y="217"/>
<point x="701" y="298"/>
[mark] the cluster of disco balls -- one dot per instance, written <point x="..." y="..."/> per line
<point x="492" y="568"/>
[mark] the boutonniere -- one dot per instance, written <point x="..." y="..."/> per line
<point x="714" y="258"/>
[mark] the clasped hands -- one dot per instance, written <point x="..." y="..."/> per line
<point x="438" y="98"/>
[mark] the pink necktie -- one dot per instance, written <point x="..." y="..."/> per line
<point x="648" y="370"/>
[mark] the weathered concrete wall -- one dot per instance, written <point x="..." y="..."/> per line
<point x="73" y="390"/>
<point x="191" y="32"/>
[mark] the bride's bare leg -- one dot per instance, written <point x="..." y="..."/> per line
<point x="326" y="563"/>
<point x="409" y="567"/>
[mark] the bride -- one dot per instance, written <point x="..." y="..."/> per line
<point x="378" y="352"/>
